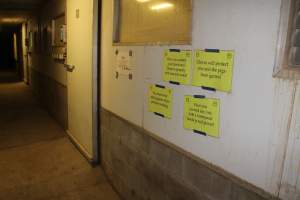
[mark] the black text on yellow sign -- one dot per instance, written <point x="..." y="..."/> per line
<point x="177" y="66"/>
<point x="202" y="115"/>
<point x="160" y="101"/>
<point x="213" y="70"/>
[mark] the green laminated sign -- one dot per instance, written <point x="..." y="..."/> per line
<point x="160" y="100"/>
<point x="177" y="66"/>
<point x="213" y="70"/>
<point x="202" y="115"/>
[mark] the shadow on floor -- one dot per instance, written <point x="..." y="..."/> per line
<point x="37" y="160"/>
<point x="9" y="76"/>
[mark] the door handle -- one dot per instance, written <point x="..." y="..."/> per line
<point x="69" y="68"/>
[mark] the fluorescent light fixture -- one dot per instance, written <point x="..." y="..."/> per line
<point x="162" y="6"/>
<point x="142" y="1"/>
<point x="12" y="20"/>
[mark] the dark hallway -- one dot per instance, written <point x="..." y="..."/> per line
<point x="7" y="59"/>
<point x="37" y="160"/>
<point x="10" y="51"/>
<point x="8" y="75"/>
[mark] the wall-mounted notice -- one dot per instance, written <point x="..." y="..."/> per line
<point x="124" y="65"/>
<point x="202" y="115"/>
<point x="213" y="69"/>
<point x="177" y="66"/>
<point x="160" y="101"/>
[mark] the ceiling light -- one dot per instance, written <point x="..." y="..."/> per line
<point x="162" y="6"/>
<point x="12" y="20"/>
<point x="142" y="1"/>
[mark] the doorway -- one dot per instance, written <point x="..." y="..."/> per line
<point x="10" y="52"/>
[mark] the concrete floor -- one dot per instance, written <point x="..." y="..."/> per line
<point x="37" y="161"/>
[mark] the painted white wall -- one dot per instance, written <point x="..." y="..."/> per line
<point x="122" y="96"/>
<point x="254" y="117"/>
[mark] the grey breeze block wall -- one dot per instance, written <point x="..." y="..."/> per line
<point x="52" y="95"/>
<point x="141" y="166"/>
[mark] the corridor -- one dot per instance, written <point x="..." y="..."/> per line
<point x="37" y="160"/>
<point x="149" y="100"/>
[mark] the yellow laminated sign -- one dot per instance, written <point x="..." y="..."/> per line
<point x="202" y="115"/>
<point x="213" y="70"/>
<point x="177" y="66"/>
<point x="160" y="100"/>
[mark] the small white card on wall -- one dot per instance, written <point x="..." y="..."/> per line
<point x="124" y="62"/>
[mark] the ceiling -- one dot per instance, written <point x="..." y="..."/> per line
<point x="20" y="4"/>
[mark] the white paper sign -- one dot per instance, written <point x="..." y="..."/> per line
<point x="124" y="65"/>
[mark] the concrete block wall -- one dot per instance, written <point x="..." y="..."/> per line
<point x="143" y="167"/>
<point x="52" y="95"/>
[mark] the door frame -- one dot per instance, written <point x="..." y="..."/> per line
<point x="96" y="81"/>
